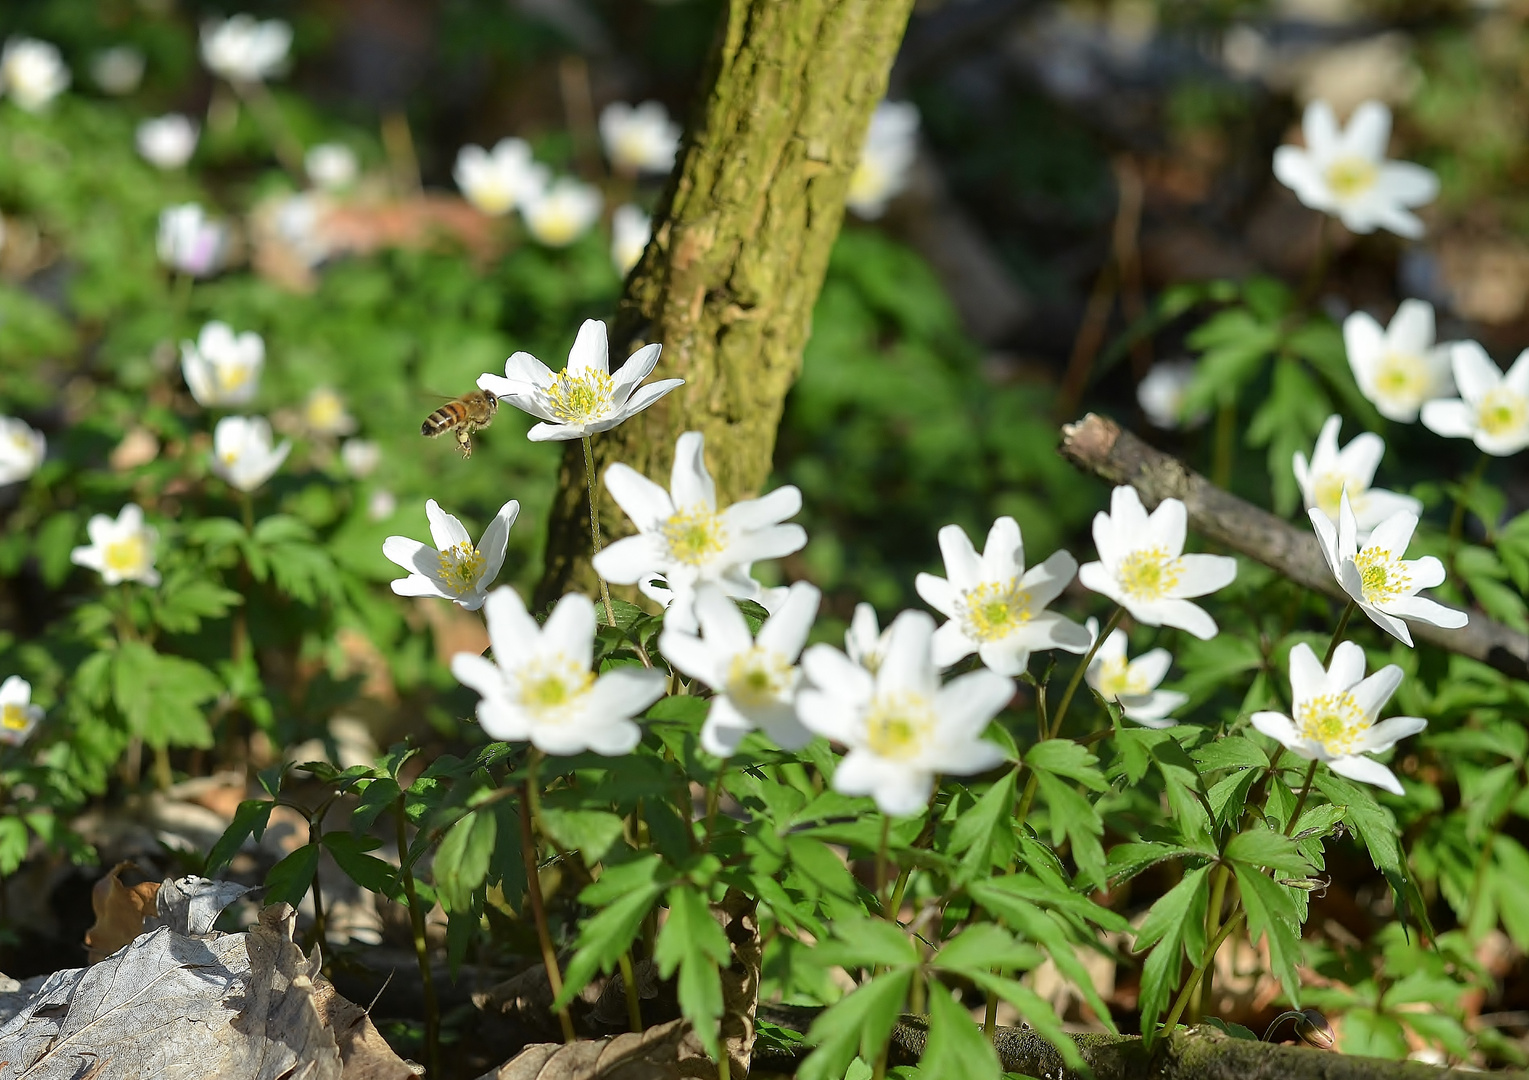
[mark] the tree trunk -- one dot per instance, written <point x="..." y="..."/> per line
<point x="739" y="250"/>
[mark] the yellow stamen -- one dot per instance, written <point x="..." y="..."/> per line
<point x="899" y="725"/>
<point x="580" y="399"/>
<point x="1334" y="720"/>
<point x="551" y="688"/>
<point x="694" y="536"/>
<point x="994" y="609"/>
<point x="14" y="718"/>
<point x="1150" y="573"/>
<point x="1351" y="177"/>
<point x="759" y="677"/>
<point x="1502" y="411"/>
<point x="1382" y="576"/>
<point x="461" y="566"/>
<point x="127" y="556"/>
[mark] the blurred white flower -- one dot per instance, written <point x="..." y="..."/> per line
<point x="222" y="368"/>
<point x="1335" y="713"/>
<point x="891" y="144"/>
<point x="117" y="70"/>
<point x="865" y="643"/>
<point x="499" y="181"/>
<point x="332" y="166"/>
<point x="1493" y="407"/>
<point x="168" y="141"/>
<point x="539" y="686"/>
<point x="360" y="457"/>
<point x="631" y="230"/>
<point x="639" y="138"/>
<point x="190" y="242"/>
<point x="755" y="680"/>
<point x="22" y="448"/>
<point x="1142" y="566"/>
<point x="1332" y="471"/>
<point x="1133" y="684"/>
<point x="243" y="49"/>
<point x="324" y="413"/>
<point x="454" y="569"/>
<point x="994" y="607"/>
<point x="381" y="505"/>
<point x="1344" y="171"/>
<point x="1377" y="578"/>
<point x="242" y="453"/>
<point x="900" y="726"/>
<point x="584" y="397"/>
<point x="18" y="716"/>
<point x="1400" y="367"/>
<point x="681" y="533"/>
<point x="563" y="212"/>
<point x="120" y="549"/>
<point x="33" y="72"/>
<point x="1161" y="395"/>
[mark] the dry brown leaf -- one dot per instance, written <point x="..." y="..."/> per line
<point x="120" y="910"/>
<point x="667" y="1052"/>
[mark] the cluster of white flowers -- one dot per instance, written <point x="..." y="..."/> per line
<point x="639" y="138"/>
<point x="243" y="49"/>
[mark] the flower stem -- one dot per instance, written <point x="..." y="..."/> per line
<point x="881" y="865"/>
<point x="1457" y="517"/>
<point x="629" y="983"/>
<point x="1332" y="646"/>
<point x="1077" y="676"/>
<point x="288" y="150"/>
<point x="1194" y="980"/>
<point x="1226" y="442"/>
<point x="1300" y="800"/>
<point x="421" y="946"/>
<point x="594" y="523"/>
<point x="534" y="894"/>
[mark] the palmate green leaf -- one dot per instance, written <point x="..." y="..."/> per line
<point x="608" y="933"/>
<point x="956" y="1045"/>
<point x="462" y="859"/>
<point x="861" y="1022"/>
<point x="378" y="795"/>
<point x="161" y="696"/>
<point x="1376" y="826"/>
<point x="984" y="833"/>
<point x="1063" y="757"/>
<point x="817" y="870"/>
<point x="289" y="880"/>
<point x="983" y="947"/>
<point x="1073" y="815"/>
<point x="250" y="819"/>
<point x="1272" y="915"/>
<point x="1259" y="847"/>
<point x="1235" y="346"/>
<point x="1033" y="1010"/>
<point x="181" y="603"/>
<point x="1228" y="795"/>
<point x="349" y="851"/>
<point x="13" y="843"/>
<point x="1286" y="421"/>
<point x="693" y="942"/>
<point x="591" y="832"/>
<point x="1231" y="752"/>
<point x="867" y="942"/>
<point x="1177" y="924"/>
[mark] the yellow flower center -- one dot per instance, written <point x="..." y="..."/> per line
<point x="994" y="609"/>
<point x="14" y="718"/>
<point x="1116" y="678"/>
<point x="1502" y="411"/>
<point x="556" y="226"/>
<point x="1351" y="177"/>
<point x="325" y="411"/>
<point x="493" y="199"/>
<point x="1382" y="576"/>
<point x="694" y="536"/>
<point x="867" y="183"/>
<point x="1328" y="493"/>
<point x="461" y="567"/>
<point x="759" y="677"/>
<point x="551" y="688"/>
<point x="899" y="725"/>
<point x="580" y="399"/>
<point x="20" y="441"/>
<point x="1402" y="377"/>
<point x="231" y="376"/>
<point x="127" y="556"/>
<point x="1150" y="573"/>
<point x="1334" y="720"/>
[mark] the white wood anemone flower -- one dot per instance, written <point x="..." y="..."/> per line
<point x="639" y="138"/>
<point x="189" y="242"/>
<point x="1161" y="395"/>
<point x="562" y="212"/>
<point x="583" y="398"/>
<point x="679" y="602"/>
<point x="755" y="679"/>
<point x="1377" y="578"/>
<point x="1344" y="171"/>
<point x="539" y="687"/>
<point x="18" y="716"/>
<point x="1333" y="471"/>
<point x="683" y="536"/>
<point x="1400" y="367"/>
<point x="886" y="157"/>
<point x="455" y="569"/>
<point x="243" y="49"/>
<point x="901" y="728"/>
<point x="325" y="415"/>
<point x="22" y="448"/>
<point x="1335" y="715"/>
<point x="120" y="548"/>
<point x="500" y="180"/>
<point x="166" y="142"/>
<point x="631" y="229"/>
<point x="32" y="72"/>
<point x="995" y="607"/>
<point x="223" y="368"/>
<point x="1143" y="568"/>
<point x="242" y="452"/>
<point x="865" y="643"/>
<point x="1493" y="408"/>
<point x="1133" y="684"/>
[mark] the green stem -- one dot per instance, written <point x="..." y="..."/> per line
<point x="1457" y="517"/>
<point x="1194" y="980"/>
<point x="1300" y="800"/>
<point x="881" y="866"/>
<point x="1332" y="645"/>
<point x="528" y="812"/>
<point x="594" y="523"/>
<point x="314" y="837"/>
<point x="285" y="144"/>
<point x="990" y="1017"/>
<point x="629" y="983"/>
<point x="1212" y="927"/>
<point x="1077" y="676"/>
<point x="421" y="945"/>
<point x="1226" y="442"/>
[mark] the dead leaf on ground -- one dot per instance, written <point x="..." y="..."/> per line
<point x="667" y="1052"/>
<point x="120" y="910"/>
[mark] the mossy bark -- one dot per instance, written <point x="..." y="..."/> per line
<point x="740" y="247"/>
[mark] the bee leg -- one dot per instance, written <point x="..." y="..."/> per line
<point x="465" y="442"/>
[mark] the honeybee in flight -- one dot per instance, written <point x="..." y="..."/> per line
<point x="463" y="416"/>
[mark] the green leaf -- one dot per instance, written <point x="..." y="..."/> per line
<point x="983" y="947"/>
<point x="956" y="1045"/>
<point x="605" y="935"/>
<point x="379" y="795"/>
<point x="817" y="868"/>
<point x="289" y="880"/>
<point x="1232" y="752"/>
<point x="591" y="832"/>
<point x="1286" y="421"/>
<point x="1035" y="1011"/>
<point x="250" y="819"/>
<point x="693" y="942"/>
<point x="867" y="942"/>
<point x="1176" y="923"/>
<point x="1375" y="825"/>
<point x="861" y="1022"/>
<point x="985" y="833"/>
<point x="368" y="871"/>
<point x="161" y="696"/>
<point x="1166" y="917"/>
<point x="1064" y="757"/>
<point x="1261" y="847"/>
<point x="13" y="844"/>
<point x="461" y="861"/>
<point x="1271" y="914"/>
<point x="1072" y="814"/>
